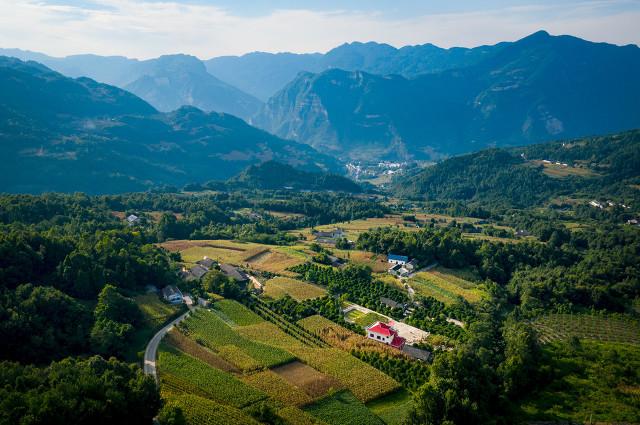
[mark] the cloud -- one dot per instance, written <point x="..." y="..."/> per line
<point x="150" y="28"/>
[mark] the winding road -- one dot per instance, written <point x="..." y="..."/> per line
<point x="151" y="351"/>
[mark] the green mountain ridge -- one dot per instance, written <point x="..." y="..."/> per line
<point x="61" y="134"/>
<point x="600" y="168"/>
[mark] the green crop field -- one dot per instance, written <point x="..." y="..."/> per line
<point x="202" y="411"/>
<point x="445" y="287"/>
<point x="295" y="416"/>
<point x="154" y="311"/>
<point x="235" y="313"/>
<point x="268" y="333"/>
<point x="219" y="336"/>
<point x="278" y="287"/>
<point x="218" y="385"/>
<point x="393" y="408"/>
<point x="343" y="408"/>
<point x="614" y="328"/>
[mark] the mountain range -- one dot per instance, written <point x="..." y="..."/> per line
<point x="167" y="82"/>
<point x="63" y="134"/>
<point x="539" y="88"/>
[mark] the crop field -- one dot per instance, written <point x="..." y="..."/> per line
<point x="268" y="333"/>
<point x="394" y="408"/>
<point x="340" y="337"/>
<point x="560" y="171"/>
<point x="344" y="409"/>
<point x="377" y="262"/>
<point x="280" y="286"/>
<point x="445" y="287"/>
<point x="218" y="385"/>
<point x="310" y="381"/>
<point x="364" y="381"/>
<point x="235" y="313"/>
<point x="176" y="339"/>
<point x="294" y="415"/>
<point x="202" y="411"/>
<point x="220" y="337"/>
<point x="617" y="328"/>
<point x="278" y="388"/>
<point x="155" y="312"/>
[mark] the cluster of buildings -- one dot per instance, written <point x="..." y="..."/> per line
<point x="203" y="266"/>
<point x="603" y="205"/>
<point x="329" y="236"/>
<point x="387" y="334"/>
<point x="400" y="265"/>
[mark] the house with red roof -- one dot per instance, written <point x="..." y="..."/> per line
<point x="385" y="333"/>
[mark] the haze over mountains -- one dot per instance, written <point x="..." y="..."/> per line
<point x="364" y="101"/>
<point x="63" y="134"/>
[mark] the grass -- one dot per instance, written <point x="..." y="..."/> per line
<point x="235" y="313"/>
<point x="394" y="408"/>
<point x="614" y="328"/>
<point x="154" y="311"/>
<point x="278" y="287"/>
<point x="366" y="319"/>
<point x="445" y="287"/>
<point x="592" y="382"/>
<point x="219" y="336"/>
<point x="218" y="385"/>
<point x="343" y="408"/>
<point x="364" y="381"/>
<point x="201" y="411"/>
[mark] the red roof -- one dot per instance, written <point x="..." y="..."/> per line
<point x="397" y="342"/>
<point x="382" y="329"/>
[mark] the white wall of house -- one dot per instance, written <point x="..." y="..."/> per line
<point x="397" y="262"/>
<point x="380" y="338"/>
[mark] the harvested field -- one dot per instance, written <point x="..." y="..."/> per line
<point x="313" y="383"/>
<point x="277" y="388"/>
<point x="278" y="287"/>
<point x="189" y="346"/>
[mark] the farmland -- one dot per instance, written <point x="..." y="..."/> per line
<point x="614" y="328"/>
<point x="393" y="408"/>
<point x="445" y="286"/>
<point x="218" y="385"/>
<point x="154" y="311"/>
<point x="229" y="358"/>
<point x="202" y="411"/>
<point x="280" y="286"/>
<point x="243" y="353"/>
<point x="344" y="409"/>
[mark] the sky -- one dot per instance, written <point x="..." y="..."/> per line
<point x="207" y="28"/>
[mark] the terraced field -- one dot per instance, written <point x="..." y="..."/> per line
<point x="278" y="287"/>
<point x="618" y="328"/>
<point x="445" y="286"/>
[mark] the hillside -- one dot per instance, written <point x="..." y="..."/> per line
<point x="275" y="175"/>
<point x="605" y="167"/>
<point x="63" y="134"/>
<point x="167" y="82"/>
<point x="537" y="89"/>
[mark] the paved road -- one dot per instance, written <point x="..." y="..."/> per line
<point x="151" y="351"/>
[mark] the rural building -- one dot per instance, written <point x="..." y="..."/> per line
<point x="234" y="273"/>
<point x="330" y="236"/>
<point x="403" y="269"/>
<point x="416" y="353"/>
<point x="386" y="334"/>
<point x="196" y="272"/>
<point x="335" y="261"/>
<point x="596" y="204"/>
<point x="172" y="294"/>
<point x="397" y="259"/>
<point x="634" y="222"/>
<point x="522" y="233"/>
<point x="206" y="262"/>
<point x="204" y="302"/>
<point x="391" y="303"/>
<point x="133" y="219"/>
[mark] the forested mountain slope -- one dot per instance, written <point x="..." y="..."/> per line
<point x="61" y="134"/>
<point x="536" y="89"/>
<point x="606" y="167"/>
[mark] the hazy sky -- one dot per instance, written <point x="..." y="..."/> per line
<point x="208" y="28"/>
